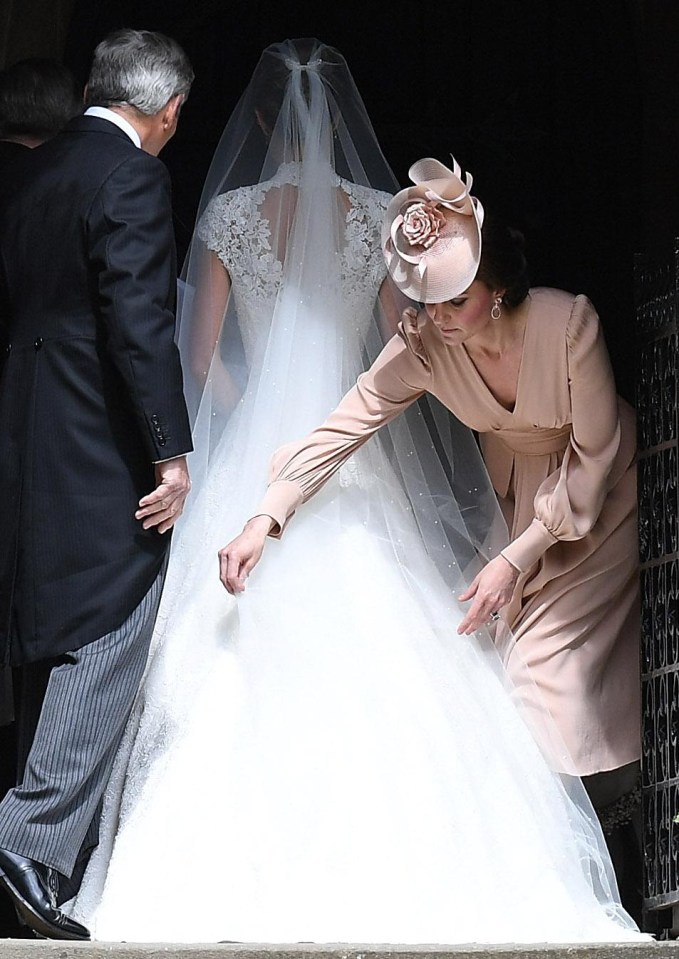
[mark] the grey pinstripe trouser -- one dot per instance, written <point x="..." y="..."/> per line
<point x="88" y="701"/>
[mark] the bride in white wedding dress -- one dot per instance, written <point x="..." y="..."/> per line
<point x="323" y="758"/>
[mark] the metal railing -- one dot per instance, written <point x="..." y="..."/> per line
<point x="657" y="376"/>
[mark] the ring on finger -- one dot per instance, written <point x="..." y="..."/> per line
<point x="495" y="616"/>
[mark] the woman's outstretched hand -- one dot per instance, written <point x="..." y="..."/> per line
<point x="239" y="557"/>
<point x="491" y="589"/>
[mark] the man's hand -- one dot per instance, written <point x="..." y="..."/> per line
<point x="239" y="557"/>
<point x="164" y="506"/>
<point x="491" y="589"/>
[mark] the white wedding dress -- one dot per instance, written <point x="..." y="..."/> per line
<point x="323" y="758"/>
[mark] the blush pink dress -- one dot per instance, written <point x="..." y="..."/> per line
<point x="562" y="463"/>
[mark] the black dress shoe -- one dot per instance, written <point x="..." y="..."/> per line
<point x="27" y="884"/>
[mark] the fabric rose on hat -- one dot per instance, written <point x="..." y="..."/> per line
<point x="422" y="222"/>
<point x="419" y="225"/>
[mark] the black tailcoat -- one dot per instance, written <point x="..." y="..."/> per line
<point x="91" y="391"/>
<point x="11" y="152"/>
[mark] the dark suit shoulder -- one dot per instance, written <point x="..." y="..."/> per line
<point x="12" y="158"/>
<point x="132" y="175"/>
<point x="106" y="146"/>
<point x="11" y="153"/>
<point x="134" y="163"/>
<point x="80" y="161"/>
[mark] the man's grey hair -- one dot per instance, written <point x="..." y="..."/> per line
<point x="140" y="69"/>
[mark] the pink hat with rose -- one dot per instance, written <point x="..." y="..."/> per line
<point x="431" y="235"/>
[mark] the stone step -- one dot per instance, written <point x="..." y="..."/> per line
<point x="29" y="949"/>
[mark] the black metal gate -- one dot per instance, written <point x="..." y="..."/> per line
<point x="657" y="312"/>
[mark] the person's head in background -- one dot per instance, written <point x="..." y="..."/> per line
<point x="38" y="97"/>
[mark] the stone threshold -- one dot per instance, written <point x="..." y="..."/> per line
<point x="29" y="949"/>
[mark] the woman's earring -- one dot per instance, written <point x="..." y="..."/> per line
<point x="496" y="312"/>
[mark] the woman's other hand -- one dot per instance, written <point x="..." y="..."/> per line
<point x="239" y="557"/>
<point x="491" y="589"/>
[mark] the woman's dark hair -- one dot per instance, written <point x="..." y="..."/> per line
<point x="503" y="261"/>
<point x="38" y="97"/>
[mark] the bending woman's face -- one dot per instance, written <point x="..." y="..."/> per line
<point x="459" y="319"/>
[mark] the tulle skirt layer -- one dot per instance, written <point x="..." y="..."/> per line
<point x="324" y="759"/>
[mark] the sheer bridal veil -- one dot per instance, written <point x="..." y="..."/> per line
<point x="299" y="173"/>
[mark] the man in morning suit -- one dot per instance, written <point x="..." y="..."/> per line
<point x="94" y="434"/>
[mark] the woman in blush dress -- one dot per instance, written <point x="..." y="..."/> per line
<point x="325" y="758"/>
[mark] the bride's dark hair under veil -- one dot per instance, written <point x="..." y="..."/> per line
<point x="284" y="302"/>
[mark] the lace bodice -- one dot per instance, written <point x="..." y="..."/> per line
<point x="234" y="227"/>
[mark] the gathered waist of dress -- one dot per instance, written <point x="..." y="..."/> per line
<point x="534" y="442"/>
<point x="500" y="449"/>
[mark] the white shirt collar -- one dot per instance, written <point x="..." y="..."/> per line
<point x="105" y="114"/>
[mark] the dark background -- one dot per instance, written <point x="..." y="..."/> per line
<point x="563" y="110"/>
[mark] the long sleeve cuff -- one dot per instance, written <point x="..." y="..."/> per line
<point x="167" y="460"/>
<point x="526" y="549"/>
<point x="279" y="502"/>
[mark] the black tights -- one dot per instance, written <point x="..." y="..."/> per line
<point x="616" y="800"/>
